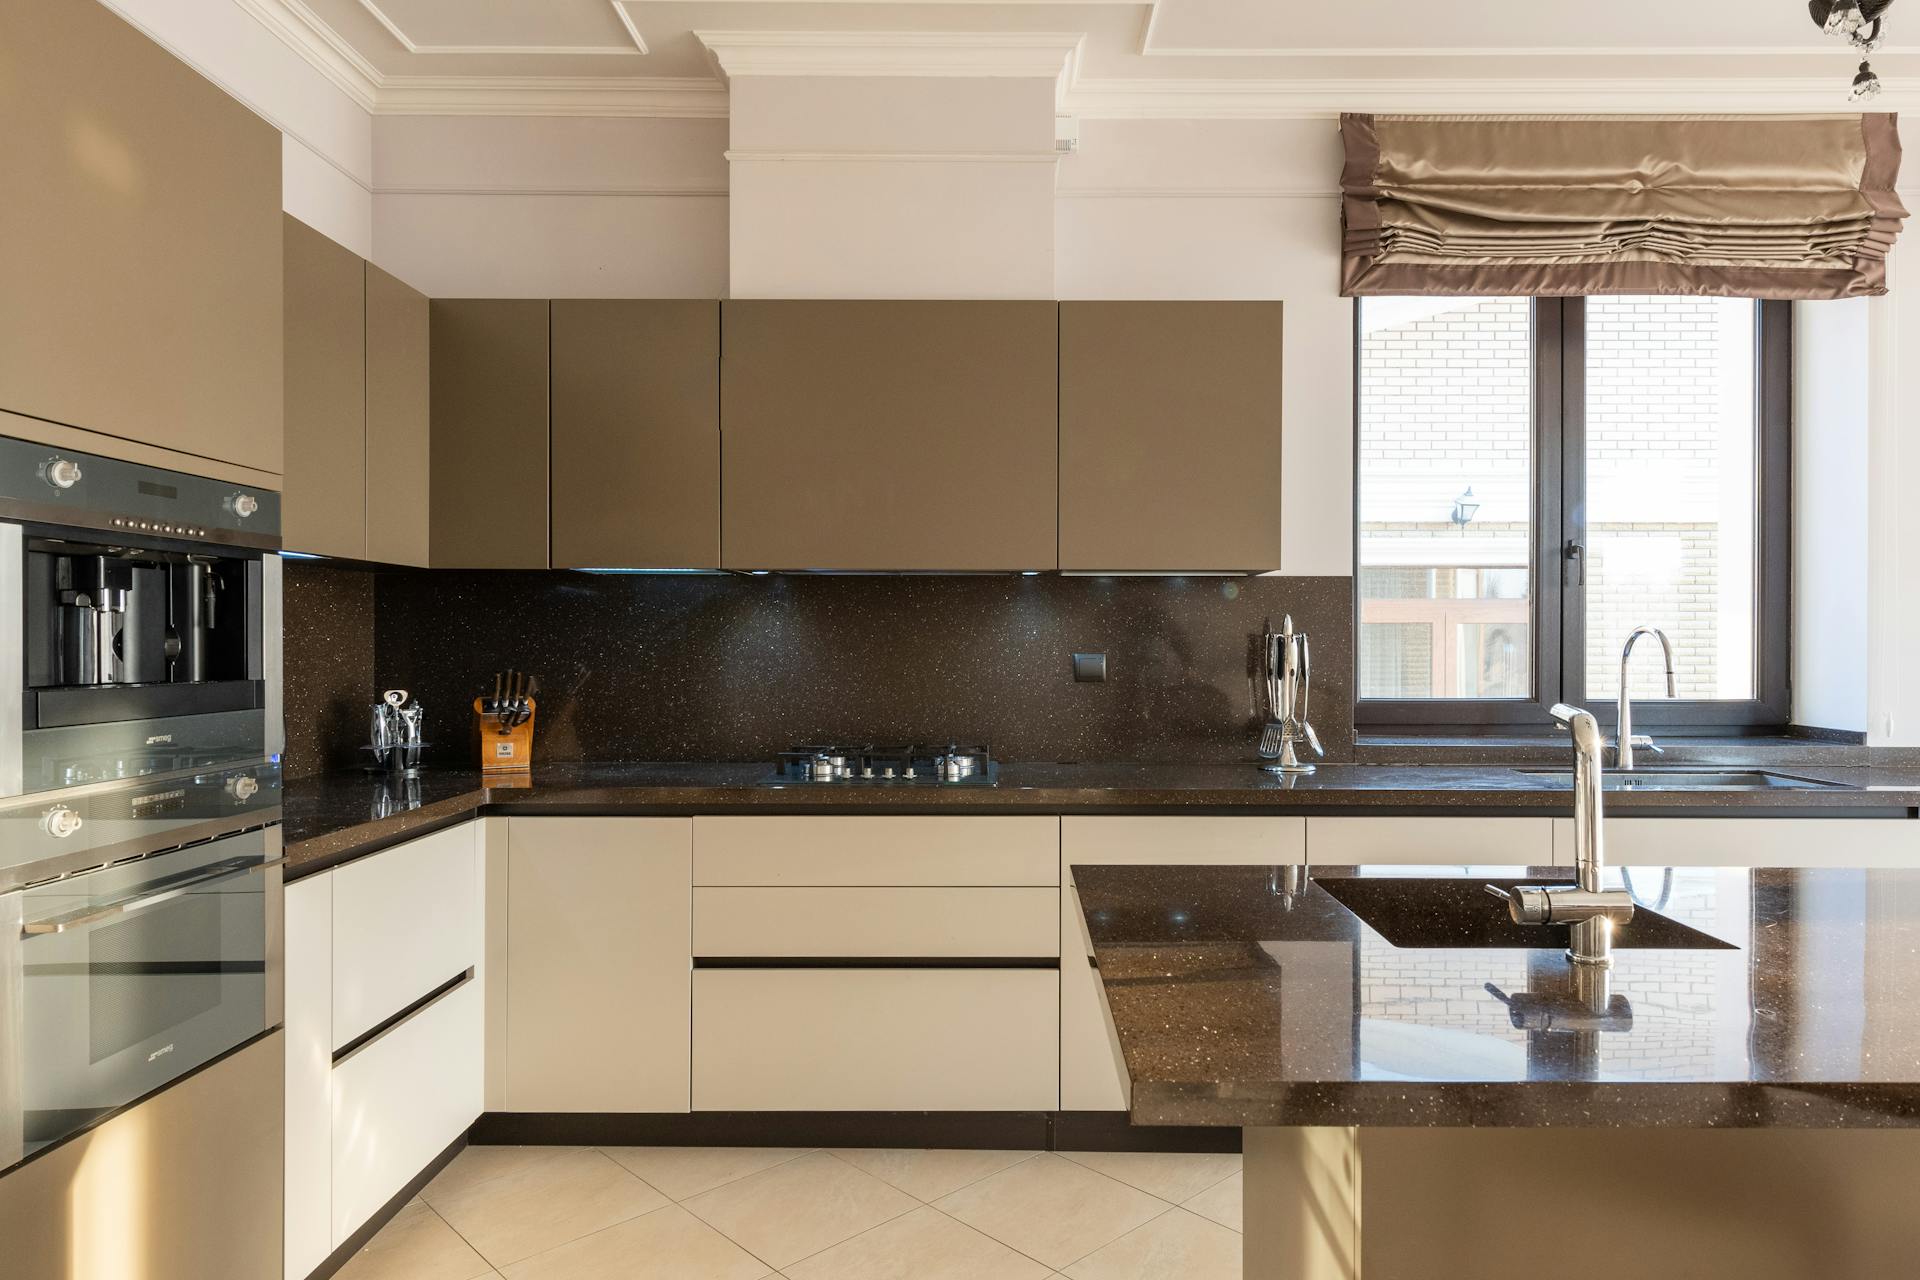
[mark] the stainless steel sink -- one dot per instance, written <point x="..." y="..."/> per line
<point x="1691" y="780"/>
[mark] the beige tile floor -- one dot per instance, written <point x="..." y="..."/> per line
<point x="733" y="1213"/>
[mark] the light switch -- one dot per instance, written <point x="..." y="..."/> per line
<point x="1090" y="668"/>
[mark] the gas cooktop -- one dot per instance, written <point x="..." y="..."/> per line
<point x="921" y="765"/>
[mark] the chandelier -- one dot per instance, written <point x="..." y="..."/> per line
<point x="1860" y="23"/>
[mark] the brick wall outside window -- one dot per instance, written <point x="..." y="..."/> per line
<point x="1446" y="403"/>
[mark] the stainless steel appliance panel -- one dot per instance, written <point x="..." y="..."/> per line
<point x="135" y="974"/>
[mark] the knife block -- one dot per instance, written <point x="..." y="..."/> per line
<point x="504" y="750"/>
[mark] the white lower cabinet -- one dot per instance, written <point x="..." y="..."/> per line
<point x="1446" y="841"/>
<point x="598" y="923"/>
<point x="308" y="946"/>
<point x="401" y="1099"/>
<point x="405" y="921"/>
<point x="1753" y="842"/>
<point x="372" y="1097"/>
<point x="847" y="1039"/>
<point x="1091" y="1076"/>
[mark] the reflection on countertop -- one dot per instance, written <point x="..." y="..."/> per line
<point x="334" y="817"/>
<point x="1246" y="997"/>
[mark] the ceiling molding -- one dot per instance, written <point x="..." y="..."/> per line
<point x="1837" y="49"/>
<point x="406" y="42"/>
<point x="1050" y="54"/>
<point x="303" y="31"/>
<point x="1149" y="99"/>
<point x="757" y="155"/>
<point x="1195" y="193"/>
<point x="668" y="97"/>
<point x="497" y="189"/>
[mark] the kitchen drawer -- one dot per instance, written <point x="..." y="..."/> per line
<point x="405" y="922"/>
<point x="1753" y="842"/>
<point x="1181" y="840"/>
<point x="400" y="1100"/>
<point x="880" y="850"/>
<point x="876" y="1039"/>
<point x="929" y="922"/>
<point x="1462" y="841"/>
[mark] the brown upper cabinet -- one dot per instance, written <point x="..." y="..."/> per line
<point x="489" y="438"/>
<point x="1169" y="436"/>
<point x="324" y="509"/>
<point x="356" y="406"/>
<point x="139" y="241"/>
<point x="636" y="434"/>
<point x="397" y="420"/>
<point x="888" y="435"/>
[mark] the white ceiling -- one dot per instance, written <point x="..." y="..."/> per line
<point x="1200" y="55"/>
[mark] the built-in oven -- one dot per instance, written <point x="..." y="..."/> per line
<point x="116" y="981"/>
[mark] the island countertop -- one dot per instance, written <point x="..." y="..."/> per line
<point x="1245" y="996"/>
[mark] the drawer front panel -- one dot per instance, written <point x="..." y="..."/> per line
<point x="1462" y="841"/>
<point x="875" y="1040"/>
<point x="1754" y="842"/>
<point x="876" y="922"/>
<point x="1180" y="840"/>
<point x="883" y="850"/>
<point x="405" y="922"/>
<point x="400" y="1100"/>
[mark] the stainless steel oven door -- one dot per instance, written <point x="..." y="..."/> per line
<point x="126" y="978"/>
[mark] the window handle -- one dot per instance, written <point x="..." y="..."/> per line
<point x="1575" y="574"/>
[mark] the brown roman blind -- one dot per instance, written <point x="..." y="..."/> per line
<point x="1749" y="206"/>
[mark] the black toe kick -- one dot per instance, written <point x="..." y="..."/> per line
<point x="977" y="1130"/>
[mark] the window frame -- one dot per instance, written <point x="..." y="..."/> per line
<point x="1559" y="614"/>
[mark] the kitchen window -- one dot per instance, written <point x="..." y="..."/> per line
<point x="1537" y="477"/>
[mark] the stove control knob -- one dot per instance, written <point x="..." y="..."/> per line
<point x="63" y="473"/>
<point x="244" y="787"/>
<point x="61" y="822"/>
<point x="243" y="504"/>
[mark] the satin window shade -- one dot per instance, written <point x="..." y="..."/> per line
<point x="1504" y="206"/>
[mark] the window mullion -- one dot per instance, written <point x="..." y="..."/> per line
<point x="1571" y="446"/>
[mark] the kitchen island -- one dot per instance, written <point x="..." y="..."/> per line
<point x="1738" y="1095"/>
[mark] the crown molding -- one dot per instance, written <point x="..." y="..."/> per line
<point x="667" y="97"/>
<point x="406" y="42"/>
<point x="1050" y="54"/>
<point x="765" y="155"/>
<point x="1031" y="54"/>
<point x="303" y="31"/>
<point x="1158" y="99"/>
<point x="1829" y="49"/>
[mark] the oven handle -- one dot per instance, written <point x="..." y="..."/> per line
<point x="139" y="902"/>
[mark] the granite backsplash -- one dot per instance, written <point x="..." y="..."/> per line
<point x="722" y="667"/>
<point x="327" y="643"/>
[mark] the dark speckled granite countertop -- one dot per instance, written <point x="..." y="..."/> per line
<point x="1243" y="999"/>
<point x="336" y="817"/>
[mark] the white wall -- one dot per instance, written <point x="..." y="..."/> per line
<point x="552" y="207"/>
<point x="327" y="146"/>
<point x="1892" y="368"/>
<point x="1233" y="209"/>
<point x="1830" y="501"/>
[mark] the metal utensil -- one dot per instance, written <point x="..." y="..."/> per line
<point x="1273" y="735"/>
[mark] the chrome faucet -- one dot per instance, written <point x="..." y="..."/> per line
<point x="1626" y="742"/>
<point x="1592" y="911"/>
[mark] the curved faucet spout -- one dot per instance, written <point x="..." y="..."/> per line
<point x="1623" y="752"/>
